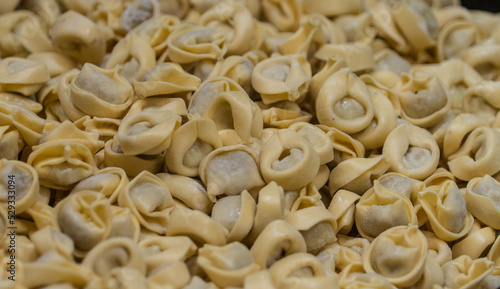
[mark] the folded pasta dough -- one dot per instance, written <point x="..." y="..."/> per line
<point x="309" y="196"/>
<point x="277" y="237"/>
<point x="156" y="30"/>
<point x="398" y="254"/>
<point x="331" y="65"/>
<point x="189" y="42"/>
<point x="270" y="207"/>
<point x="463" y="272"/>
<point x="446" y="210"/>
<point x="148" y="133"/>
<point x="166" y="79"/>
<point x="475" y="244"/>
<point x="57" y="63"/>
<point x="480" y="100"/>
<point x="329" y="9"/>
<point x="177" y="105"/>
<point x="24" y="76"/>
<point x="19" y="185"/>
<point x="417" y="23"/>
<point x="226" y="103"/>
<point x="289" y="160"/>
<point x="227" y="265"/>
<point x="85" y="217"/>
<point x="24" y="33"/>
<point x="438" y="249"/>
<point x="357" y="174"/>
<point x="482" y="198"/>
<point x="380" y="209"/>
<point x="198" y="226"/>
<point x="455" y="37"/>
<point x="358" y="57"/>
<point x="172" y="274"/>
<point x="159" y="250"/>
<point x="134" y="54"/>
<point x="386" y="26"/>
<point x="358" y="28"/>
<point x="344" y="259"/>
<point x="124" y="224"/>
<point x="457" y="131"/>
<point x="25" y="102"/>
<point x="287" y="270"/>
<point x="237" y="68"/>
<point x="77" y="36"/>
<point x="412" y="151"/>
<point x="68" y="131"/>
<point x="319" y="140"/>
<point x="424" y="101"/>
<point x="402" y="184"/>
<point x="190" y="144"/>
<point x="477" y="156"/>
<point x="235" y="213"/>
<point x="106" y="128"/>
<point x="365" y="280"/>
<point x="312" y="34"/>
<point x="149" y="200"/>
<point x="432" y="276"/>
<point x="52" y="268"/>
<point x="283" y="15"/>
<point x="230" y="170"/>
<point x="61" y="164"/>
<point x="131" y="164"/>
<point x="342" y="208"/>
<point x="316" y="224"/>
<point x="482" y="58"/>
<point x="114" y="253"/>
<point x="283" y="114"/>
<point x="95" y="91"/>
<point x="233" y="19"/>
<point x="344" y="102"/>
<point x="122" y="17"/>
<point x="384" y="121"/>
<point x="344" y="146"/>
<point x="49" y="239"/>
<point x="282" y="78"/>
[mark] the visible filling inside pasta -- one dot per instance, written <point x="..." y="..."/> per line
<point x="140" y="127"/>
<point x="196" y="153"/>
<point x="489" y="188"/>
<point x="391" y="260"/>
<point x="147" y="197"/>
<point x="278" y="252"/>
<point x="319" y="235"/>
<point x="278" y="71"/>
<point x="349" y="108"/>
<point x="110" y="259"/>
<point x="223" y="116"/>
<point x="23" y="181"/>
<point x="226" y="211"/>
<point x="287" y="159"/>
<point x="416" y="157"/>
<point x="423" y="103"/>
<point x="102" y="86"/>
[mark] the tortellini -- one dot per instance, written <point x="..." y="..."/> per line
<point x="204" y="144"/>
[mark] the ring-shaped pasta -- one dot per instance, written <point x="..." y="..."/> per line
<point x="344" y="102"/>
<point x="398" y="254"/>
<point x="289" y="160"/>
<point x="412" y="151"/>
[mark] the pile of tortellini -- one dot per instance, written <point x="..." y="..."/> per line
<point x="250" y="144"/>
